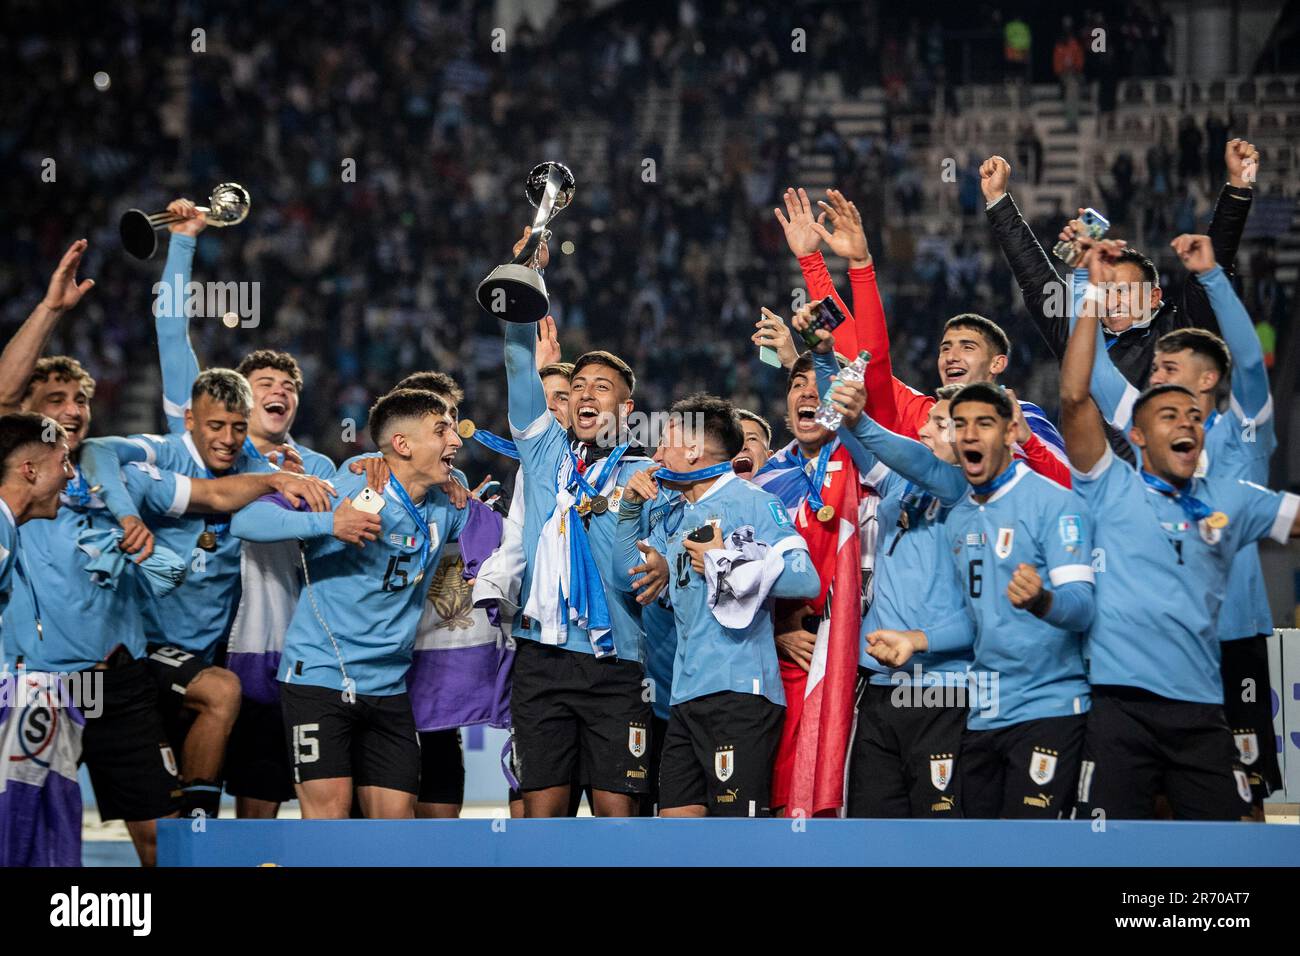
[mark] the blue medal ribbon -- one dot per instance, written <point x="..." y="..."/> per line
<point x="819" y="473"/>
<point x="27" y="578"/>
<point x="1210" y="422"/>
<point x="699" y="474"/>
<point x="502" y="446"/>
<point x="416" y="516"/>
<point x="1193" y="507"/>
<point x="606" y="469"/>
<point x="991" y="486"/>
<point x="76" y="490"/>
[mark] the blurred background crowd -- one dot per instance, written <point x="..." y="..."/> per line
<point x="682" y="123"/>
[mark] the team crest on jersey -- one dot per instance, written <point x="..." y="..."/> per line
<point x="941" y="771"/>
<point x="1243" y="785"/>
<point x="1071" y="529"/>
<point x="779" y="514"/>
<point x="169" y="760"/>
<point x="1005" y="538"/>
<point x="1042" y="766"/>
<point x="616" y="498"/>
<point x="724" y="763"/>
<point x="1247" y="747"/>
<point x="636" y="739"/>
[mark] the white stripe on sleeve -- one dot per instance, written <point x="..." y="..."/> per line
<point x="1068" y="573"/>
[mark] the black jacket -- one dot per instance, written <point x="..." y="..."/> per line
<point x="1185" y="305"/>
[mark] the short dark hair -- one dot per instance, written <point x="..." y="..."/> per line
<point x="19" y="430"/>
<point x="226" y="386"/>
<point x="1202" y="342"/>
<point x="745" y="415"/>
<point x="1133" y="257"/>
<point x="440" y="383"/>
<point x="987" y="393"/>
<point x="601" y="357"/>
<point x="804" y="363"/>
<point x="1155" y="391"/>
<point x="60" y="366"/>
<point x="993" y="334"/>
<point x="271" y="358"/>
<point x="556" y="368"/>
<point x="402" y="403"/>
<point x="718" y="418"/>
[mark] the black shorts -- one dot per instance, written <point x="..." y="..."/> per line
<point x="372" y="739"/>
<point x="173" y="668"/>
<point x="903" y="762"/>
<point x="257" y="761"/>
<point x="649" y="805"/>
<point x="718" y="754"/>
<point x="1139" y="744"/>
<point x="1244" y="666"/>
<point x="132" y="765"/>
<point x="442" y="767"/>
<point x="572" y="709"/>
<point x="1025" y="771"/>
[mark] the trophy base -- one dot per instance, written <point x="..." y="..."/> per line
<point x="514" y="293"/>
<point x="138" y="236"/>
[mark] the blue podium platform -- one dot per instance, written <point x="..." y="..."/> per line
<point x="653" y="842"/>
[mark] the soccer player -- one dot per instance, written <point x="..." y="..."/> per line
<point x="758" y="444"/>
<point x="1145" y="313"/>
<point x="1021" y="749"/>
<point x="728" y="548"/>
<point x="348" y="717"/>
<point x="973" y="348"/>
<point x="1168" y="536"/>
<point x="905" y="755"/>
<point x="579" y="665"/>
<point x="187" y="628"/>
<point x="1239" y="441"/>
<point x="257" y="765"/>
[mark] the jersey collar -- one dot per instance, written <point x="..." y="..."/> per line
<point x="1004" y="490"/>
<point x="9" y="515"/>
<point x="722" y="481"/>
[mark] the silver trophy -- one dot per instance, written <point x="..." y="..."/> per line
<point x="227" y="206"/>
<point x="516" y="291"/>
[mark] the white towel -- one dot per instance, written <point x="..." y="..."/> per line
<point x="501" y="575"/>
<point x="740" y="576"/>
<point x="547" y="604"/>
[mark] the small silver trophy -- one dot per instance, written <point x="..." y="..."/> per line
<point x="516" y="291"/>
<point x="227" y="206"/>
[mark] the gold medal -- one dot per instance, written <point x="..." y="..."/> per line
<point x="599" y="505"/>
<point x="584" y="507"/>
<point x="1217" y="520"/>
<point x="466" y="428"/>
<point x="208" y="541"/>
<point x="825" y="513"/>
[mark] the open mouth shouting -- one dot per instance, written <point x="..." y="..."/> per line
<point x="742" y="465"/>
<point x="276" y="410"/>
<point x="1184" y="451"/>
<point x="974" y="462"/>
<point x="588" y="417"/>
<point x="805" y="418"/>
<point x="954" y="373"/>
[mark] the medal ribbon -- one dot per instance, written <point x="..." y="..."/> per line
<point x="1194" y="508"/>
<point x="991" y="486"/>
<point x="502" y="446"/>
<point x="416" y="516"/>
<point x="606" y="470"/>
<point x="699" y="474"/>
<point x="819" y="473"/>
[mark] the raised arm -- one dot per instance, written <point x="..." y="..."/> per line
<point x="272" y="519"/>
<point x="527" y="397"/>
<point x="1040" y="285"/>
<point x="1250" y="390"/>
<point x="1081" y="422"/>
<point x="176" y="356"/>
<point x="22" y="351"/>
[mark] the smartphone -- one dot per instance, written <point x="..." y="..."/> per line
<point x="488" y="490"/>
<point x="369" y="501"/>
<point x="701" y="534"/>
<point x="767" y="355"/>
<point x="827" y="316"/>
<point x="1095" y="225"/>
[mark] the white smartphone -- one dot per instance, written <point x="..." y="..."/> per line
<point x="369" y="501"/>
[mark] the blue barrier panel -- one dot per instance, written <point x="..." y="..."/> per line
<point x="650" y="842"/>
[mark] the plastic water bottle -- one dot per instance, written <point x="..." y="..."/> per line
<point x="827" y="415"/>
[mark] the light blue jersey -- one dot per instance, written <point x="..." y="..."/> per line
<point x="197" y="615"/>
<point x="1166" y="576"/>
<point x="180" y="367"/>
<point x="81" y="623"/>
<point x="914" y="583"/>
<point x="1238" y="443"/>
<point x="543" y="454"/>
<point x="712" y="657"/>
<point x="360" y="612"/>
<point x="8" y="561"/>
<point x="1039" y="666"/>
<point x="660" y="633"/>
